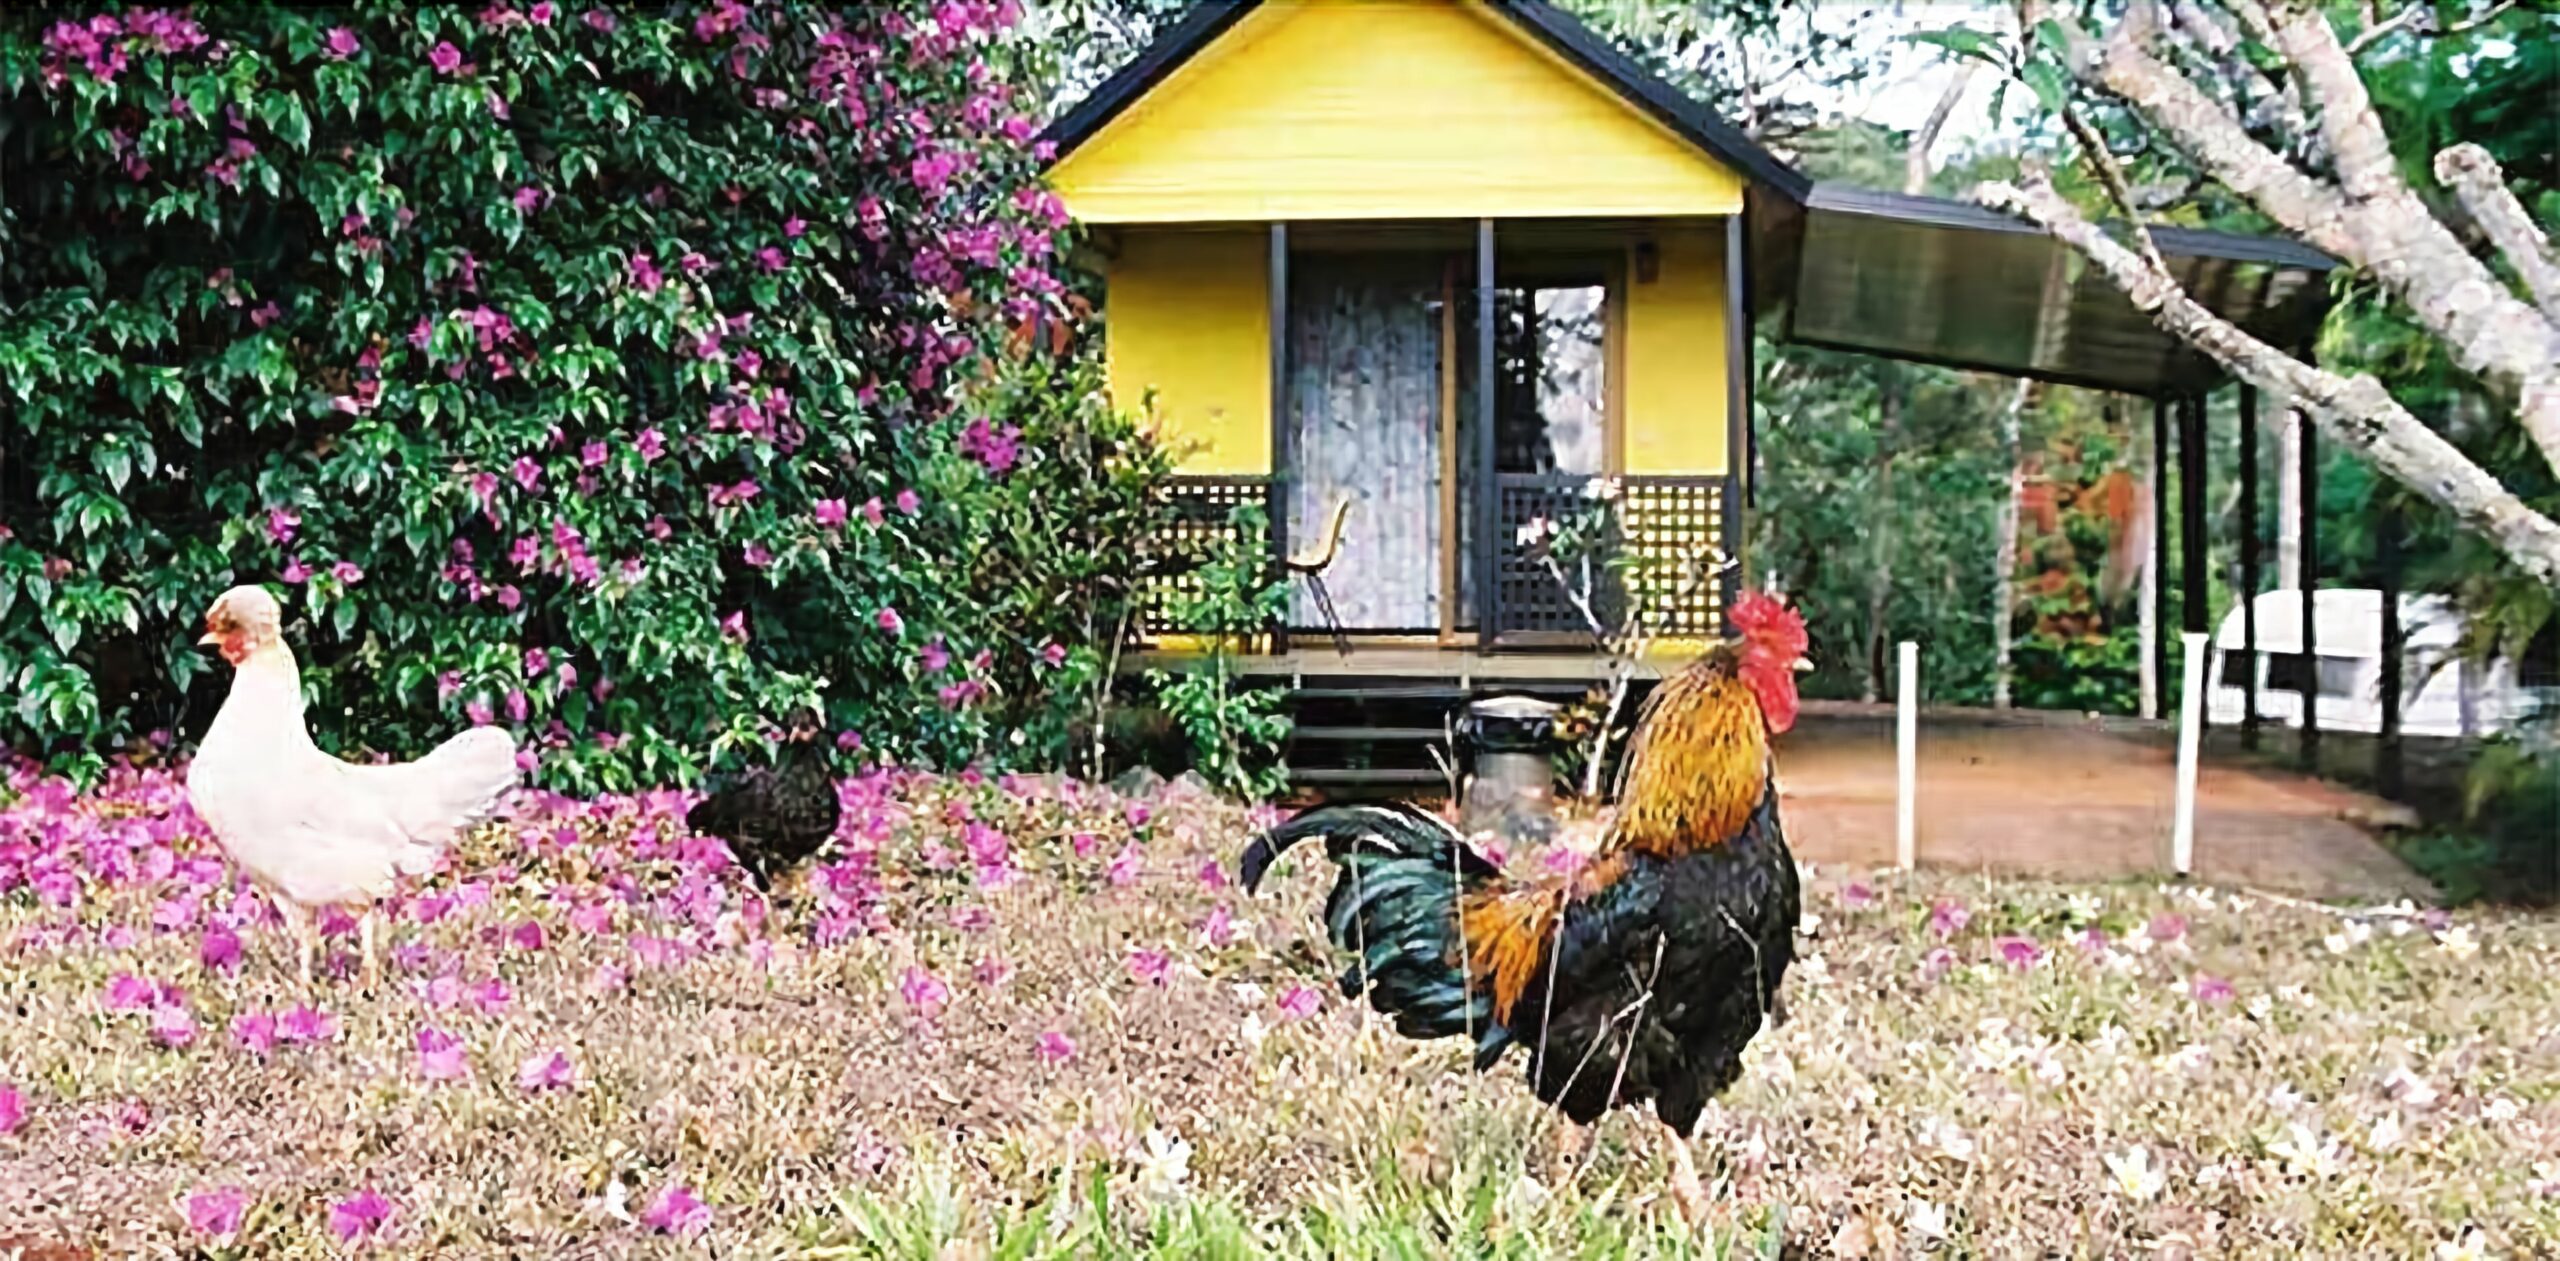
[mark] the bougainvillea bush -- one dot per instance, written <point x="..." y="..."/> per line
<point x="611" y="372"/>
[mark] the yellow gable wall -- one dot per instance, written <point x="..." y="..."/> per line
<point x="1675" y="359"/>
<point x="1383" y="109"/>
<point x="1188" y="315"/>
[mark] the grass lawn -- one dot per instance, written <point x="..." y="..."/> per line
<point x="1026" y="1020"/>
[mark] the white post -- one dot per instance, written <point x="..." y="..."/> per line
<point x="1906" y="813"/>
<point x="2182" y="836"/>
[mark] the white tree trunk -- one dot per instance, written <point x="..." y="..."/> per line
<point x="2004" y="587"/>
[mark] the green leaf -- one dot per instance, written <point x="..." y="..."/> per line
<point x="2045" y="80"/>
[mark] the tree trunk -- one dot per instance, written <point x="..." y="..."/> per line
<point x="2004" y="586"/>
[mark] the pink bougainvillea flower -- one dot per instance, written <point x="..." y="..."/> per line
<point x="650" y="444"/>
<point x="889" y="621"/>
<point x="873" y="512"/>
<point x="771" y="259"/>
<point x="1150" y="967"/>
<point x="1213" y="875"/>
<point x="734" y="627"/>
<point x="1937" y="963"/>
<point x="526" y="936"/>
<point x="440" y="1055"/>
<point x="346" y="572"/>
<point x="923" y="991"/>
<point x="548" y="1070"/>
<point x="217" y="1213"/>
<point x="492" y="996"/>
<point x="127" y="992"/>
<point x="608" y="978"/>
<point x="1219" y="929"/>
<point x="909" y="503"/>
<point x="2167" y="928"/>
<point x="220" y="949"/>
<point x="1056" y="1047"/>
<point x="342" y="43"/>
<point x="1299" y="1002"/>
<point x="13" y="1109"/>
<point x="934" y="658"/>
<point x="992" y="972"/>
<point x="828" y="512"/>
<point x="307" y="1024"/>
<point x="445" y="57"/>
<point x="1857" y="897"/>
<point x="1053" y="653"/>
<point x="543" y="12"/>
<point x="600" y="20"/>
<point x="677" y="1212"/>
<point x="361" y="1216"/>
<point x="173" y="1025"/>
<point x="2210" y="989"/>
<point x="255" y="1032"/>
<point x="2020" y="953"/>
<point x="1125" y="867"/>
<point x="1946" y="918"/>
<point x="281" y="524"/>
<point x="756" y="555"/>
<point x="645" y="273"/>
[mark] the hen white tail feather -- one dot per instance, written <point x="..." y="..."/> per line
<point x="451" y="790"/>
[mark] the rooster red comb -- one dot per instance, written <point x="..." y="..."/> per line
<point x="1766" y="623"/>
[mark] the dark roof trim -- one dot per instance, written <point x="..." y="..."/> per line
<point x="1206" y="20"/>
<point x="1940" y="212"/>
<point x="1200" y="24"/>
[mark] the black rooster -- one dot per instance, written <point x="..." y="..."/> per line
<point x="774" y="817"/>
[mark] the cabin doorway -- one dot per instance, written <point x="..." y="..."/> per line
<point x="1366" y="419"/>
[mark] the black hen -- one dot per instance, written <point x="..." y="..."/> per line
<point x="774" y="817"/>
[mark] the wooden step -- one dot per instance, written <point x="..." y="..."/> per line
<point x="1368" y="775"/>
<point x="1368" y="733"/>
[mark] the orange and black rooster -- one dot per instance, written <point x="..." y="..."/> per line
<point x="1639" y="978"/>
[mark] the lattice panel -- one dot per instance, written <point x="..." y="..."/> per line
<point x="1530" y="598"/>
<point x="1670" y="522"/>
<point x="1200" y="509"/>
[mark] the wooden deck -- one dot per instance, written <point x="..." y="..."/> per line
<point x="1461" y="667"/>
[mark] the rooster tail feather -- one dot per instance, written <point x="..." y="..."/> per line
<point x="1394" y="909"/>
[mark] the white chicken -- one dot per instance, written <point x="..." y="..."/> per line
<point x="315" y="831"/>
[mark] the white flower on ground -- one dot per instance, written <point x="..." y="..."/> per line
<point x="1248" y="994"/>
<point x="2473" y="1246"/>
<point x="2080" y="908"/>
<point x="1812" y="970"/>
<point x="615" y="1202"/>
<point x="1925" y="1219"/>
<point x="2353" y="933"/>
<point x="2191" y="1058"/>
<point x="2458" y="942"/>
<point x="2111" y="1038"/>
<point x="2305" y="1153"/>
<point x="2211" y="1176"/>
<point x="2501" y="1110"/>
<point x="2410" y="1089"/>
<point x="1164" y="1167"/>
<point x="2546" y="1179"/>
<point x="2385" y="1135"/>
<point x="1809" y="924"/>
<point x="2284" y="1098"/>
<point x="2133" y="1176"/>
<point x="1252" y="1030"/>
<point x="1950" y="1142"/>
<point x="2240" y="905"/>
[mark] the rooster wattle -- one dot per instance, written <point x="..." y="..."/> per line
<point x="313" y="830"/>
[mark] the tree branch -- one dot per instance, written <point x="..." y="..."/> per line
<point x="2376" y="32"/>
<point x="2356" y="411"/>
<point x="2475" y="179"/>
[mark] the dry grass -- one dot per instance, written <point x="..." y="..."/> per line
<point x="1961" y="1105"/>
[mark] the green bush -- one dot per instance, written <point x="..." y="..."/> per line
<point x="598" y="371"/>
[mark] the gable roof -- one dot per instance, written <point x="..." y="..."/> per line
<point x="1578" y="45"/>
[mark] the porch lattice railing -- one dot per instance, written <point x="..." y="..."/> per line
<point x="1665" y="520"/>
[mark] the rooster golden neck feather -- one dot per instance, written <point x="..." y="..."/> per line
<point x="1698" y="764"/>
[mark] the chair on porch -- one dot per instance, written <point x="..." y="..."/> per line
<point x="1319" y="557"/>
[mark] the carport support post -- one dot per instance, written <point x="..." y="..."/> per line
<point x="2309" y="476"/>
<point x="1906" y="757"/>
<point x="2248" y="566"/>
<point x="2192" y="562"/>
<point x="2182" y="831"/>
<point x="2160" y="538"/>
<point x="2386" y="558"/>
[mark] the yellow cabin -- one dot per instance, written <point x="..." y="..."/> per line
<point x="1423" y="275"/>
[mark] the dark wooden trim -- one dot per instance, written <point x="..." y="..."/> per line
<point x="1451" y="559"/>
<point x="1283" y="455"/>
<point x="1738" y="478"/>
<point x="1488" y="503"/>
<point x="2395" y="642"/>
<point x="2249" y="564"/>
<point x="2102" y="385"/>
<point x="2160" y="548"/>
<point x="1197" y="27"/>
<point x="1943" y="212"/>
<point x="2309" y="475"/>
<point x="2194" y="600"/>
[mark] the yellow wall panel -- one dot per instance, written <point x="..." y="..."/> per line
<point x="1675" y="358"/>
<point x="1188" y="315"/>
<point x="1384" y="109"/>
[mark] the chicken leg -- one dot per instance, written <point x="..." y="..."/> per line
<point x="369" y="930"/>
<point x="297" y="925"/>
<point x="1688" y="1192"/>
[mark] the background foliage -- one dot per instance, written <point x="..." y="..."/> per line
<point x="600" y="371"/>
